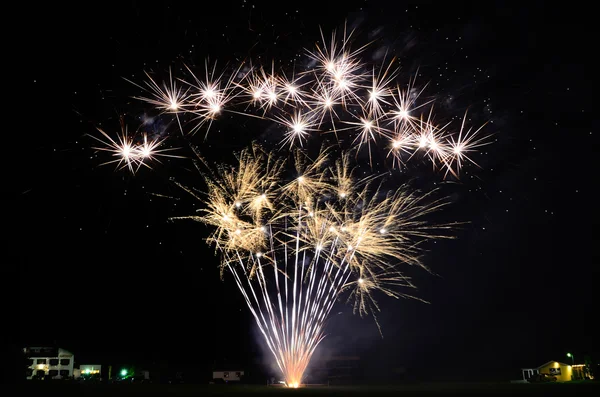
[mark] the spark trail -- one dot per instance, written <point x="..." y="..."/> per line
<point x="293" y="245"/>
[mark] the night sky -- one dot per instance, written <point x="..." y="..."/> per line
<point x="105" y="275"/>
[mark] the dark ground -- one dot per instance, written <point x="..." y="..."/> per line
<point x="426" y="389"/>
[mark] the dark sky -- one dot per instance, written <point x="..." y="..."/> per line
<point x="104" y="274"/>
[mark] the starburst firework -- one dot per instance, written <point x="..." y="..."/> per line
<point x="337" y="93"/>
<point x="132" y="151"/>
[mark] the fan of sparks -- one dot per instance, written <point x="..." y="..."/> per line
<point x="361" y="104"/>
<point x="296" y="234"/>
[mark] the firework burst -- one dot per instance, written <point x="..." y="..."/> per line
<point x="132" y="151"/>
<point x="367" y="106"/>
<point x="296" y="234"/>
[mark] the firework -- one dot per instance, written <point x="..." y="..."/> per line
<point x="364" y="105"/>
<point x="132" y="151"/>
<point x="296" y="234"/>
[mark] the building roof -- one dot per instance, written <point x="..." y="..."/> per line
<point x="549" y="362"/>
<point x="41" y="351"/>
<point x="553" y="361"/>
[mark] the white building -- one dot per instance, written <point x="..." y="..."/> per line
<point x="49" y="361"/>
<point x="227" y="376"/>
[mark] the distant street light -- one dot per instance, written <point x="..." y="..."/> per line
<point x="572" y="358"/>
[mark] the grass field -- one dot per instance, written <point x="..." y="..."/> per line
<point x="421" y="390"/>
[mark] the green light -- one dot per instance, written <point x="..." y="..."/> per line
<point x="569" y="355"/>
<point x="123" y="372"/>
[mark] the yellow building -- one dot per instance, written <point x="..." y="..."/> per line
<point x="581" y="371"/>
<point x="561" y="371"/>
